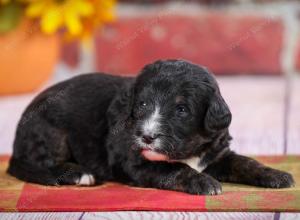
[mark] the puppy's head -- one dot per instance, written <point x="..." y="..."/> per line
<point x="176" y="108"/>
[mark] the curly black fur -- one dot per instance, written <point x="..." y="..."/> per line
<point x="93" y="128"/>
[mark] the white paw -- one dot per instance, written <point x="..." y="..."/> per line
<point x="86" y="180"/>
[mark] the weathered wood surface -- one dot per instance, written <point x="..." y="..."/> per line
<point x="42" y="216"/>
<point x="289" y="216"/>
<point x="177" y="216"/>
<point x="140" y="216"/>
<point x="150" y="216"/>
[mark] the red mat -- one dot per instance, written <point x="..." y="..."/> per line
<point x="16" y="195"/>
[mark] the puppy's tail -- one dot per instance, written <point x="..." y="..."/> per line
<point x="26" y="171"/>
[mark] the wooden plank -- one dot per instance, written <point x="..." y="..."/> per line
<point x="42" y="216"/>
<point x="257" y="106"/>
<point x="176" y="215"/>
<point x="293" y="135"/>
<point x="133" y="215"/>
<point x="289" y="216"/>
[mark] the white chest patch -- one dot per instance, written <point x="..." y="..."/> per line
<point x="152" y="124"/>
<point x="195" y="163"/>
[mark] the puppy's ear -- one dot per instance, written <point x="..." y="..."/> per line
<point x="120" y="108"/>
<point x="218" y="115"/>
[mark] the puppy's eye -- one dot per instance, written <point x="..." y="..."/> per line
<point x="181" y="110"/>
<point x="143" y="104"/>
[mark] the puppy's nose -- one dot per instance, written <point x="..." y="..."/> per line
<point x="147" y="139"/>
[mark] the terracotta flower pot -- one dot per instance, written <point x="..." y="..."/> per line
<point x="27" y="58"/>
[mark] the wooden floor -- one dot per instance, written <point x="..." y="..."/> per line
<point x="266" y="120"/>
<point x="151" y="216"/>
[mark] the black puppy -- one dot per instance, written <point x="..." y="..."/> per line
<point x="167" y="129"/>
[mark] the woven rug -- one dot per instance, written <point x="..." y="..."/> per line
<point x="16" y="195"/>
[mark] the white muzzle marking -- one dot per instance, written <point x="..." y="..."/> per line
<point x="151" y="125"/>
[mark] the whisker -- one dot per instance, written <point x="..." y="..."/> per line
<point x="168" y="142"/>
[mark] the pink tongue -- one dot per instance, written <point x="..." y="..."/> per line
<point x="154" y="156"/>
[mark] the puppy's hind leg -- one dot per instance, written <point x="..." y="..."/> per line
<point x="42" y="155"/>
<point x="91" y="154"/>
<point x="64" y="174"/>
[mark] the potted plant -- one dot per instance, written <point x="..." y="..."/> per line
<point x="31" y="32"/>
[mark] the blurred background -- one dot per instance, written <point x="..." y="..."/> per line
<point x="252" y="46"/>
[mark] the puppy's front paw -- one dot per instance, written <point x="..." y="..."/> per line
<point x="201" y="184"/>
<point x="272" y="178"/>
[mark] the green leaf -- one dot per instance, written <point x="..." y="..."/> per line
<point x="10" y="15"/>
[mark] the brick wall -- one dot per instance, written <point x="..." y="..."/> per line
<point x="246" y="37"/>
